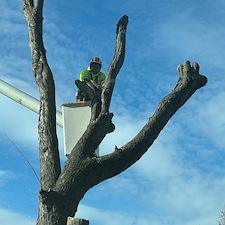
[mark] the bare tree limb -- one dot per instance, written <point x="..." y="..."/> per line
<point x="127" y="155"/>
<point x="116" y="64"/>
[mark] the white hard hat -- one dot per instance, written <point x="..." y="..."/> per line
<point x="96" y="60"/>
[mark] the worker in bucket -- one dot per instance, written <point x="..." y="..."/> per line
<point x="93" y="72"/>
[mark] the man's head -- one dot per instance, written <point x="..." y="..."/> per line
<point x="95" y="65"/>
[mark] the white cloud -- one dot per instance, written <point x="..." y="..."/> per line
<point x="187" y="34"/>
<point x="126" y="128"/>
<point x="18" y="123"/>
<point x="5" y="176"/>
<point x="177" y="187"/>
<point x="211" y="119"/>
<point x="202" y="119"/>
<point x="8" y="217"/>
<point x="100" y="217"/>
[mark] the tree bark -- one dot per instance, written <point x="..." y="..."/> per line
<point x="61" y="191"/>
<point x="48" y="143"/>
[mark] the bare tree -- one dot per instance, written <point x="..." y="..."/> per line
<point x="62" y="190"/>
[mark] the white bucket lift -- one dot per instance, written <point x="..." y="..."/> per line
<point x="76" y="117"/>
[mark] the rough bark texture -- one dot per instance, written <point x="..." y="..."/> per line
<point x="49" y="154"/>
<point x="61" y="191"/>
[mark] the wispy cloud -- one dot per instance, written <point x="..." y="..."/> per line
<point x="8" y="217"/>
<point x="5" y="176"/>
<point x="100" y="217"/>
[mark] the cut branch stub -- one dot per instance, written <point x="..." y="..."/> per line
<point x="188" y="73"/>
<point x="122" y="23"/>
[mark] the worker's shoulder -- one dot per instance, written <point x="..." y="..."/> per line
<point x="84" y="72"/>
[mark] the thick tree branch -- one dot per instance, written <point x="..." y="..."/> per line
<point x="122" y="158"/>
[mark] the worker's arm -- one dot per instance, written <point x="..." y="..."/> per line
<point x="84" y="76"/>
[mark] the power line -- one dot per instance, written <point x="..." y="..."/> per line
<point x="24" y="158"/>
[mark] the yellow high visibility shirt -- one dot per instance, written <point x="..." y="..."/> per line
<point x="99" y="78"/>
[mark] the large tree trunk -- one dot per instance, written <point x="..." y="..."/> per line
<point x="61" y="191"/>
<point x="48" y="143"/>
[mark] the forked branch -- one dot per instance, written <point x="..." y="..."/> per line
<point x="189" y="81"/>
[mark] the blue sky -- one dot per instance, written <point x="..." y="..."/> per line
<point x="181" y="179"/>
